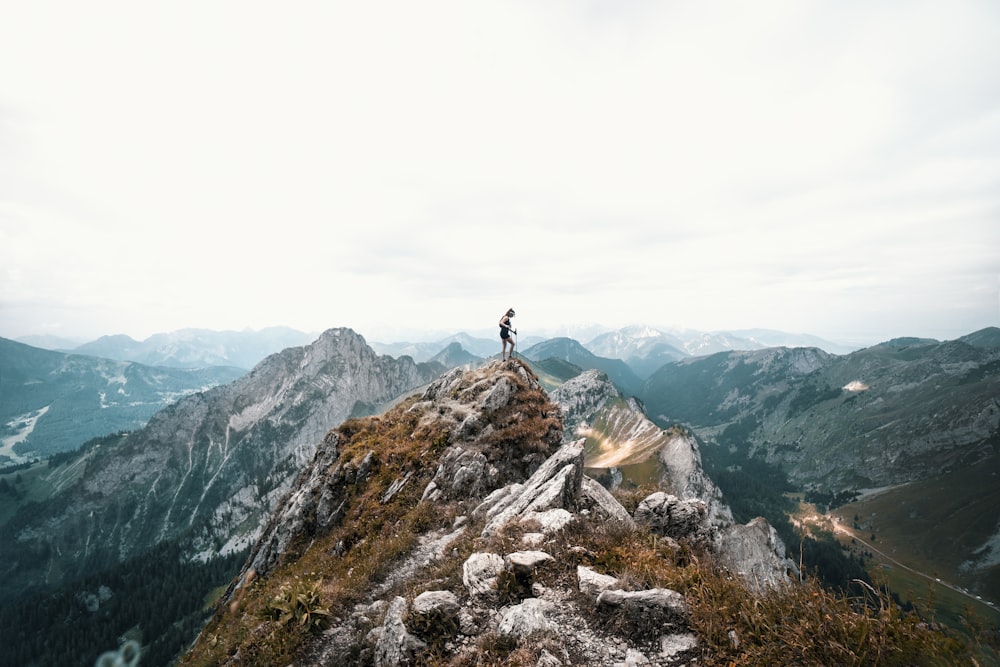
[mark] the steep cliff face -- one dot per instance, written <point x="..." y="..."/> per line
<point x="459" y="524"/>
<point x="622" y="444"/>
<point x="208" y="469"/>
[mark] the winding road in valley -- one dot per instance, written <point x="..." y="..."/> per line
<point x="839" y="527"/>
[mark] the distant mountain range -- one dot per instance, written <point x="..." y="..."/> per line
<point x="629" y="356"/>
<point x="197" y="348"/>
<point x="572" y="352"/>
<point x="643" y="348"/>
<point x="51" y="402"/>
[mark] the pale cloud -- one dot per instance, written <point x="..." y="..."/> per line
<point x="823" y="167"/>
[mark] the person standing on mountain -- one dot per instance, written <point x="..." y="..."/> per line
<point x="505" y="331"/>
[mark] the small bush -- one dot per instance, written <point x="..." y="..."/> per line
<point x="436" y="628"/>
<point x="512" y="587"/>
<point x="299" y="601"/>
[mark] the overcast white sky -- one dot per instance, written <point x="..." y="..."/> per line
<point x="818" y="167"/>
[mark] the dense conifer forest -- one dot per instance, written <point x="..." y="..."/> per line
<point x="158" y="599"/>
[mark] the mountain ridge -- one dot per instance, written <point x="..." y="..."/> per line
<point x="206" y="467"/>
<point x="460" y="528"/>
<point x="481" y="451"/>
<point x="857" y="419"/>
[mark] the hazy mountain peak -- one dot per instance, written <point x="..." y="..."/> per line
<point x="641" y="331"/>
<point x="198" y="348"/>
<point x="985" y="338"/>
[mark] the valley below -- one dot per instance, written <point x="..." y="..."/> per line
<point x="942" y="529"/>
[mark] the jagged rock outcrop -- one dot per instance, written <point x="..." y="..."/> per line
<point x="756" y="553"/>
<point x="670" y="516"/>
<point x="620" y="435"/>
<point x="513" y="565"/>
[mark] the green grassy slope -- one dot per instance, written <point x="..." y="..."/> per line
<point x="934" y="527"/>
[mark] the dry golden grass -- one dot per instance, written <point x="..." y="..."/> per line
<point x="806" y="624"/>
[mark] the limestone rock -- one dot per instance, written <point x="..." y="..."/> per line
<point x="756" y="553"/>
<point x="479" y="573"/>
<point x="526" y="562"/>
<point x="668" y="515"/>
<point x="463" y="473"/>
<point x="443" y="603"/>
<point x="394" y="645"/>
<point x="602" y="504"/>
<point x="592" y="583"/>
<point x="555" y="484"/>
<point x="549" y="521"/>
<point x="522" y="620"/>
<point x="645" y="602"/>
<point x="673" y="646"/>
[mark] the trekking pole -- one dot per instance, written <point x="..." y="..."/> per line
<point x="513" y="350"/>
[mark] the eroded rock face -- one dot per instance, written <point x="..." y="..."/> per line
<point x="317" y="500"/>
<point x="480" y="571"/>
<point x="646" y="603"/>
<point x="442" y="603"/>
<point x="689" y="505"/>
<point x="463" y="472"/>
<point x="627" y="437"/>
<point x="554" y="485"/>
<point x="753" y="551"/>
<point x="522" y="620"/>
<point x="472" y="406"/>
<point x="756" y="553"/>
<point x="592" y="583"/>
<point x="681" y="460"/>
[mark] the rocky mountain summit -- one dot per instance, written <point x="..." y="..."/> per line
<point x="461" y="524"/>
<point x="412" y="535"/>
